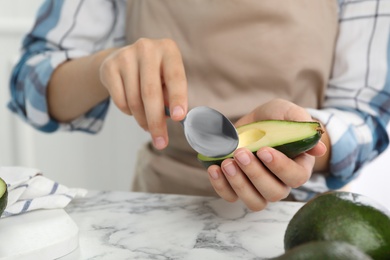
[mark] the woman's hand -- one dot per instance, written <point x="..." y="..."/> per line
<point x="269" y="175"/>
<point x="144" y="77"/>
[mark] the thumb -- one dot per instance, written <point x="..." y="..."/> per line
<point x="248" y="118"/>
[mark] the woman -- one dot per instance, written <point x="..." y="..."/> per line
<point x="251" y="60"/>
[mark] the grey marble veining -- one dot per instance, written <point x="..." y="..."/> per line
<point x="124" y="225"/>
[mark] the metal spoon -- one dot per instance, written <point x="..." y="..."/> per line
<point x="209" y="132"/>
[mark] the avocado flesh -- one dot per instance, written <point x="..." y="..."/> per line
<point x="289" y="137"/>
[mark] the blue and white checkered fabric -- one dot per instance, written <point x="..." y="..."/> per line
<point x="29" y="190"/>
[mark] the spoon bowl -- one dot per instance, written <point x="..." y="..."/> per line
<point x="209" y="132"/>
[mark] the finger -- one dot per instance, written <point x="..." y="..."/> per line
<point x="220" y="184"/>
<point x="175" y="80"/>
<point x="293" y="173"/>
<point x="270" y="187"/>
<point x="152" y="95"/>
<point x="131" y="80"/>
<point x="318" y="150"/>
<point x="111" y="78"/>
<point x="242" y="186"/>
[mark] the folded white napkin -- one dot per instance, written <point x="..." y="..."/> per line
<point x="29" y="190"/>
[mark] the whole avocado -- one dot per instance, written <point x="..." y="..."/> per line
<point x="342" y="216"/>
<point x="334" y="250"/>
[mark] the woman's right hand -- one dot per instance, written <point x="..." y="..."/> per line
<point x="144" y="77"/>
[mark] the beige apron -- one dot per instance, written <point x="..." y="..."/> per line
<point x="238" y="54"/>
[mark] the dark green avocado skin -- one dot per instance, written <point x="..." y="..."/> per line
<point x="291" y="150"/>
<point x="342" y="216"/>
<point x="333" y="250"/>
<point x="3" y="202"/>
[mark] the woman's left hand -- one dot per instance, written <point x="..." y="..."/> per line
<point x="269" y="175"/>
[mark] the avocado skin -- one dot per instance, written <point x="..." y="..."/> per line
<point x="342" y="216"/>
<point x="335" y="250"/>
<point x="291" y="150"/>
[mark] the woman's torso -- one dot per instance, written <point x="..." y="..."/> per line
<point x="237" y="56"/>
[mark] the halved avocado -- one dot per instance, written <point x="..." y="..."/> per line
<point x="288" y="137"/>
<point x="3" y="196"/>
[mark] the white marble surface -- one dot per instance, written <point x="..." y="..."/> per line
<point x="124" y="225"/>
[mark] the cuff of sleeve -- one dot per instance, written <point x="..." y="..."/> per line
<point x="344" y="163"/>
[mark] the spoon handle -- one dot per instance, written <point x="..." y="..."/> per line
<point x="168" y="113"/>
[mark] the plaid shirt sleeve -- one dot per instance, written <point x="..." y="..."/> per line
<point x="357" y="105"/>
<point x="63" y="30"/>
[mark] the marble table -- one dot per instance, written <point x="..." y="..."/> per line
<point x="126" y="225"/>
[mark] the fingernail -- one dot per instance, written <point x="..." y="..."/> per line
<point x="265" y="156"/>
<point x="159" y="142"/>
<point x="230" y="169"/>
<point x="177" y="112"/>
<point x="243" y="158"/>
<point x="213" y="174"/>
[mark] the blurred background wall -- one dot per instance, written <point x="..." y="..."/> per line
<point x="106" y="160"/>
